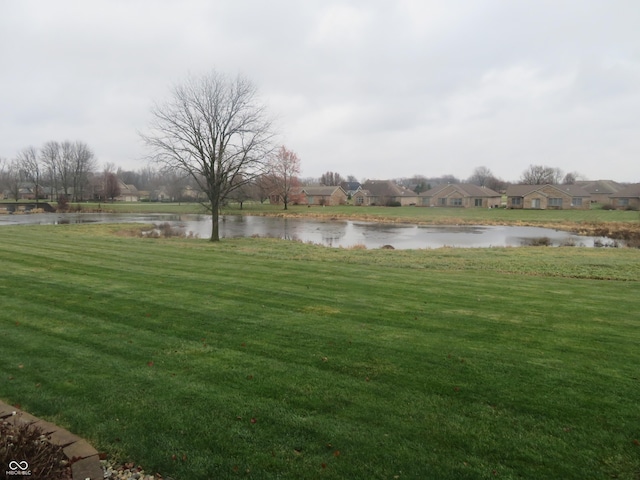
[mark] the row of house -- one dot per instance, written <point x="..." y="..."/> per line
<point x="388" y="193"/>
<point x="464" y="195"/>
<point x="93" y="191"/>
<point x="126" y="193"/>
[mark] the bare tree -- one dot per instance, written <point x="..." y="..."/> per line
<point x="4" y="172"/>
<point x="284" y="168"/>
<point x="214" y="129"/>
<point x="175" y="184"/>
<point x="480" y="176"/>
<point x="571" y="178"/>
<point x="65" y="166"/>
<point x="263" y="186"/>
<point x="331" y="179"/>
<point x="83" y="163"/>
<point x="539" y="175"/>
<point x="31" y="169"/>
<point x="246" y="191"/>
<point x="12" y="179"/>
<point x="50" y="156"/>
<point x="111" y="186"/>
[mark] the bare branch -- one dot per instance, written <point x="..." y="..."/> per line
<point x="214" y="129"/>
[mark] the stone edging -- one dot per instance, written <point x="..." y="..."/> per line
<point x="86" y="460"/>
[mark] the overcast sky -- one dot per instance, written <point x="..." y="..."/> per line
<point x="377" y="89"/>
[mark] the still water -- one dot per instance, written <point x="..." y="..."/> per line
<point x="330" y="233"/>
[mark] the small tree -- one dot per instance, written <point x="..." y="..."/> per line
<point x="31" y="169"/>
<point x="571" y="178"/>
<point x="331" y="179"/>
<point x="111" y="186"/>
<point x="284" y="168"/>
<point x="540" y="175"/>
<point x="480" y="176"/>
<point x="63" y="202"/>
<point x="245" y="192"/>
<point x="12" y="180"/>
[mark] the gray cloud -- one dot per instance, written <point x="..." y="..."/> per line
<point x="377" y="89"/>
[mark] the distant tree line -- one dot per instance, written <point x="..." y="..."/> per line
<point x="57" y="168"/>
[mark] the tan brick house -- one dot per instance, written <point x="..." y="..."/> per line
<point x="628" y="197"/>
<point x="543" y="197"/>
<point x="464" y="195"/>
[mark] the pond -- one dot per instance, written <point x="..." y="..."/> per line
<point x="332" y="233"/>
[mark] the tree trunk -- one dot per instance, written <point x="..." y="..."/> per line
<point x="215" y="222"/>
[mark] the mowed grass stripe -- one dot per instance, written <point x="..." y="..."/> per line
<point x="156" y="348"/>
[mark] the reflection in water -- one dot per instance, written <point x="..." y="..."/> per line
<point x="329" y="233"/>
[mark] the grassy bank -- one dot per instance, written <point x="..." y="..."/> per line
<point x="397" y="214"/>
<point x="258" y="358"/>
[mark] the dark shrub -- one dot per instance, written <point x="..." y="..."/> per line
<point x="538" y="242"/>
<point x="63" y="203"/>
<point x="23" y="441"/>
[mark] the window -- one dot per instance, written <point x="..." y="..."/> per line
<point x="516" y="200"/>
<point x="576" y="202"/>
<point x="443" y="201"/>
<point x="477" y="202"/>
<point x="359" y="200"/>
<point x="455" y="202"/>
<point x="623" y="202"/>
<point x="555" y="202"/>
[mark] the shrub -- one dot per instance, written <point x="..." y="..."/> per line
<point x="538" y="242"/>
<point x="21" y="442"/>
<point x="393" y="203"/>
<point x="63" y="203"/>
<point x="608" y="206"/>
<point x="569" y="242"/>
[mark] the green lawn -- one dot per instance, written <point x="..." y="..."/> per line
<point x="262" y="358"/>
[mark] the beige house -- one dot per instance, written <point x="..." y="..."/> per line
<point x="557" y="197"/>
<point x="463" y="195"/>
<point x="128" y="193"/>
<point x="321" y="195"/>
<point x="627" y="198"/>
<point x="601" y="190"/>
<point x="383" y="193"/>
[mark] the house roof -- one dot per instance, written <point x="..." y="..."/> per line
<point x="630" y="191"/>
<point x="350" y="186"/>
<point x="524" y="190"/>
<point x="466" y="189"/>
<point x="595" y="187"/>
<point x="386" y="188"/>
<point x="321" y="190"/>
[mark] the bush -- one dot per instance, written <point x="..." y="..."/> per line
<point x="608" y="206"/>
<point x="63" y="203"/>
<point x="21" y="442"/>
<point x="393" y="203"/>
<point x="538" y="242"/>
